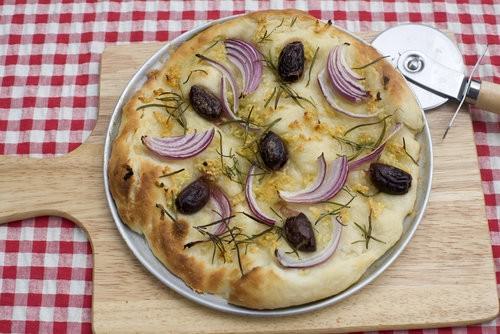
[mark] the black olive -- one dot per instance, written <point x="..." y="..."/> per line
<point x="291" y="62"/>
<point x="299" y="233"/>
<point x="205" y="103"/>
<point x="390" y="179"/>
<point x="193" y="197"/>
<point x="273" y="151"/>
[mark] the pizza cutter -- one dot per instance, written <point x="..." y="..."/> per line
<point x="435" y="69"/>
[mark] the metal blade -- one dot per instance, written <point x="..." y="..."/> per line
<point x="435" y="44"/>
<point x="424" y="71"/>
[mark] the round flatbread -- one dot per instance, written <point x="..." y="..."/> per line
<point x="241" y="264"/>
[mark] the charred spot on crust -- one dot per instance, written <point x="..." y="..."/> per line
<point x="378" y="98"/>
<point x="129" y="172"/>
<point x="180" y="229"/>
<point x="385" y="81"/>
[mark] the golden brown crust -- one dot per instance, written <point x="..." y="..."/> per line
<point x="136" y="195"/>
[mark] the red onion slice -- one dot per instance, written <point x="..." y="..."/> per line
<point x="344" y="80"/>
<point x="229" y="76"/>
<point x="375" y="154"/>
<point x="322" y="256"/>
<point x="348" y="69"/>
<point x="248" y="60"/>
<point x="176" y="141"/>
<point x="320" y="177"/>
<point x="222" y="208"/>
<point x="324" y="84"/>
<point x="334" y="180"/>
<point x="243" y="67"/>
<point x="195" y="141"/>
<point x="252" y="201"/>
<point x="193" y="145"/>
<point x="225" y="105"/>
<point x="227" y="109"/>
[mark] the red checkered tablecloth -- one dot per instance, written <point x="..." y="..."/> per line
<point x="49" y="76"/>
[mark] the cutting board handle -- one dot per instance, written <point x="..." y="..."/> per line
<point x="61" y="186"/>
<point x="30" y="187"/>
<point x="489" y="97"/>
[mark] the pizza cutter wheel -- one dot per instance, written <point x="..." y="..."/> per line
<point x="435" y="69"/>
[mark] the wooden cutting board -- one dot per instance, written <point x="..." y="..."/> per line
<point x="445" y="277"/>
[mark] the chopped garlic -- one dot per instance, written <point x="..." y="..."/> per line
<point x="375" y="207"/>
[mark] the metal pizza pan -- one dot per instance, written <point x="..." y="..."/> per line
<point x="139" y="247"/>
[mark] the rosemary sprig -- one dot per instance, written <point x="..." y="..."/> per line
<point x="382" y="134"/>
<point x="232" y="171"/>
<point x="217" y="240"/>
<point x="172" y="173"/>
<point x="265" y="129"/>
<point x="266" y="36"/>
<point x="367" y="233"/>
<point x="164" y="212"/>
<point x="356" y="147"/>
<point x="275" y="228"/>
<point x="212" y="45"/>
<point x="167" y="99"/>
<point x="171" y="93"/>
<point x="232" y="235"/>
<point x="293" y="21"/>
<point x="150" y="105"/>
<point x="278" y="96"/>
<point x="295" y="96"/>
<point x="285" y="87"/>
<point x="270" y="125"/>
<point x="335" y="211"/>
<point x="221" y="220"/>
<point x="370" y="63"/>
<point x="190" y="73"/>
<point x="270" y="98"/>
<point x="174" y="105"/>
<point x="247" y="125"/>
<point x="367" y="124"/>
<point x="312" y="64"/>
<point x="408" y="154"/>
<point x="269" y="63"/>
<point x="276" y="213"/>
<point x="240" y="121"/>
<point x="237" y="246"/>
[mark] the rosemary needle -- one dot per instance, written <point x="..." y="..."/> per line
<point x="464" y="95"/>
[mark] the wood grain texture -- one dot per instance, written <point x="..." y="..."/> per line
<point x="489" y="97"/>
<point x="444" y="277"/>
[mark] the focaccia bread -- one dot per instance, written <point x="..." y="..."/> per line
<point x="297" y="248"/>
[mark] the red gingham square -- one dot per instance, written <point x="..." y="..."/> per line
<point x="49" y="76"/>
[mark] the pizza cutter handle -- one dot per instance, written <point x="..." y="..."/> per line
<point x="489" y="97"/>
